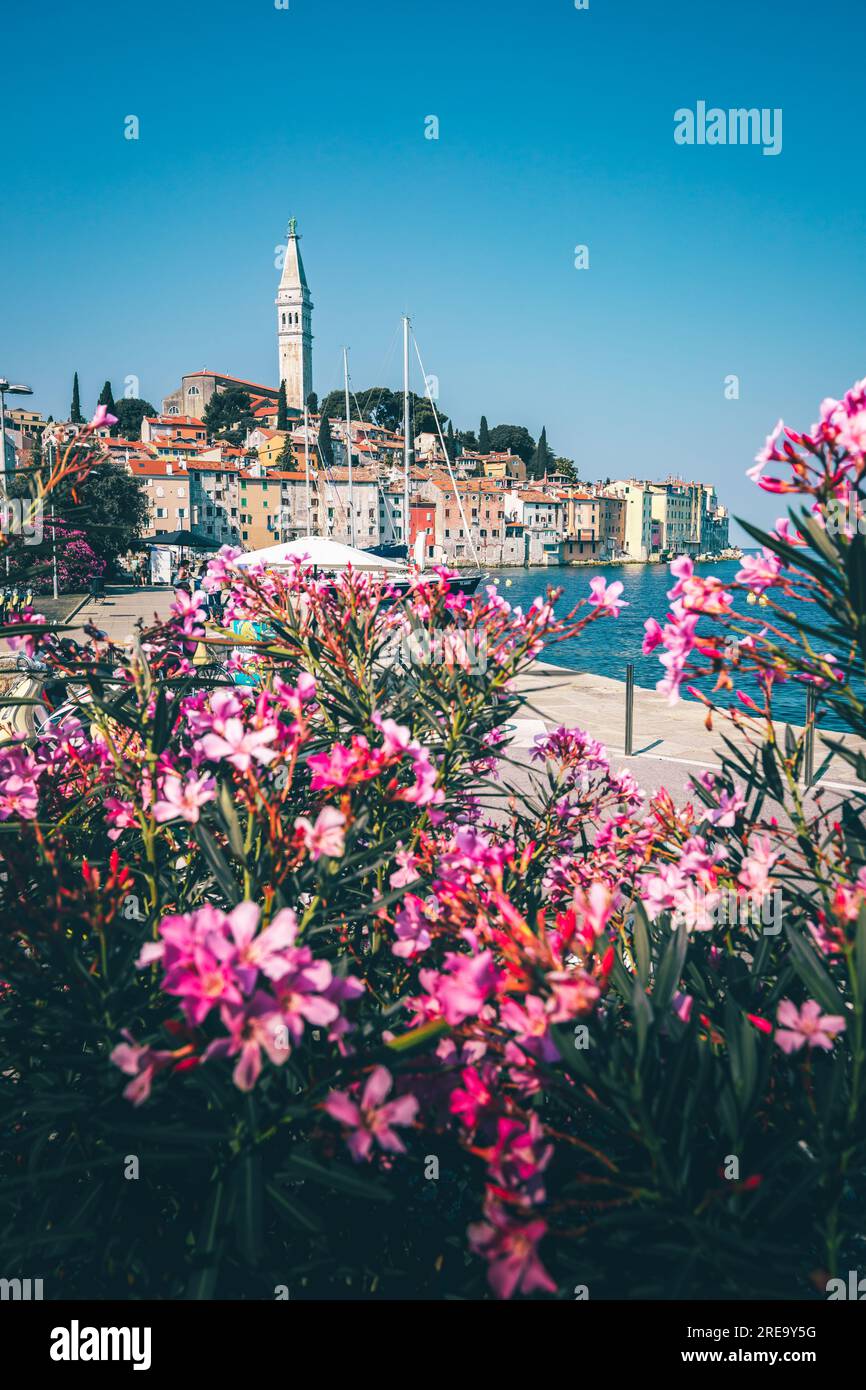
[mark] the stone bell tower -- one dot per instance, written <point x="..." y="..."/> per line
<point x="295" y="324"/>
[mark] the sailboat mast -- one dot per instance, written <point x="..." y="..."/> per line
<point x="349" y="447"/>
<point x="406" y="428"/>
<point x="307" y="459"/>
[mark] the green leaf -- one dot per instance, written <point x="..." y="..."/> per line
<point x="670" y="968"/>
<point x="248" y="1207"/>
<point x="334" y="1176"/>
<point x="202" y="1282"/>
<point x="813" y="974"/>
<point x="216" y="862"/>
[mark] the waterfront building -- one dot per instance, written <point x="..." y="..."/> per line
<point x="640" y="538"/>
<point x="214" y="484"/>
<point x="168" y="488"/>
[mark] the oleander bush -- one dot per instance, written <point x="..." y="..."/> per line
<point x="311" y="988"/>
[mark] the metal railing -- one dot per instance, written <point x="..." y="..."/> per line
<point x="629" y="709"/>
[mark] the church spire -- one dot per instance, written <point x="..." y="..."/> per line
<point x="294" y="324"/>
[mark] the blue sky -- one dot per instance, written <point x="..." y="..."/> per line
<point x="154" y="257"/>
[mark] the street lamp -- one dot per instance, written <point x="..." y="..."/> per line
<point x="6" y="389"/>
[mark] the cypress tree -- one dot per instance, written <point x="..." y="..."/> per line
<point x="326" y="444"/>
<point x="106" y="397"/>
<point x="483" y="436"/>
<point x="282" y="408"/>
<point x="75" y="414"/>
<point x="541" y="457"/>
<point x="449" y="442"/>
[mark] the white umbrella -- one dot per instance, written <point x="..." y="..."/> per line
<point x="317" y="550"/>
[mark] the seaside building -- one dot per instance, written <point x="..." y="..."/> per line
<point x="640" y="538"/>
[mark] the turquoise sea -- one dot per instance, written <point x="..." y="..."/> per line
<point x="607" y="646"/>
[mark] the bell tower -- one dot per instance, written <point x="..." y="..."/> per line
<point x="295" y="324"/>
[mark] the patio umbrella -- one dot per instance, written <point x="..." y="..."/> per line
<point x="190" y="540"/>
<point x="319" y="551"/>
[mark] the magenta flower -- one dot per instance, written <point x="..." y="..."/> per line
<point x="240" y="746"/>
<point x="326" y="837"/>
<point x="372" y="1120"/>
<point x="511" y="1248"/>
<point x="412" y="928"/>
<point x="806" y="1027"/>
<point x="183" y="799"/>
<point x="466" y="985"/>
<point x="653" y="636"/>
<point x="102" y="417"/>
<point x="606" y="597"/>
<point x="203" y="983"/>
<point x="759" y="571"/>
<point x="120" y="815"/>
<point x="255" y="1028"/>
<point x="141" y="1063"/>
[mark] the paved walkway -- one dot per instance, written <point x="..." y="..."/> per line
<point x="116" y="615"/>
<point x="665" y="736"/>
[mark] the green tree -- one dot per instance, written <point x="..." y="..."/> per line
<point x="449" y="443"/>
<point x="542" y="458"/>
<point x="514" y="437"/>
<point x="75" y="414"/>
<point x="106" y="398"/>
<point x="282" y="408"/>
<point x="326" y="444"/>
<point x="109" y="507"/>
<point x="228" y="415"/>
<point x="313" y="403"/>
<point x="287" y="453"/>
<point x="483" y="436"/>
<point x="130" y="412"/>
<point x="568" y="467"/>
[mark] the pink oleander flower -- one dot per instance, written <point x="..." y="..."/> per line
<point x="120" y="815"/>
<point x="759" y="572"/>
<point x="183" y="799"/>
<point x="806" y="1027"/>
<point x="240" y="746"/>
<point x="531" y="1024"/>
<point x="301" y="984"/>
<point x="653" y="636"/>
<point x="606" y="597"/>
<point x="465" y="985"/>
<point x="470" y="1101"/>
<point x="511" y="1248"/>
<point x="238" y="943"/>
<point x="256" y="1027"/>
<point x="19" y="773"/>
<point x="327" y="836"/>
<point x="411" y="928"/>
<point x="141" y="1063"/>
<point x="594" y="908"/>
<point x="725" y="814"/>
<point x="102" y="417"/>
<point x="518" y="1157"/>
<point x="371" y="1119"/>
<point x="756" y="869"/>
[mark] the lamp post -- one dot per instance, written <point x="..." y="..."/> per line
<point x="6" y="389"/>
